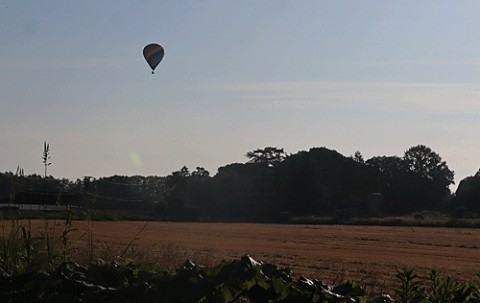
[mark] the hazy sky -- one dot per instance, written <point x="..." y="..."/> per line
<point x="374" y="76"/>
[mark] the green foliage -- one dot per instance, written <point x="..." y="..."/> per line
<point x="244" y="280"/>
<point x="27" y="278"/>
<point x="436" y="289"/>
<point x="446" y="290"/>
<point x="409" y="289"/>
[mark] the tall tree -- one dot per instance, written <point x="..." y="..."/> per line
<point x="400" y="186"/>
<point x="434" y="176"/>
<point x="176" y="190"/>
<point x="426" y="163"/>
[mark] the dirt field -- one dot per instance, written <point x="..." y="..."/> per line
<point x="370" y="255"/>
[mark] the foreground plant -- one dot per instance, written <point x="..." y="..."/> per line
<point x="436" y="289"/>
<point x="23" y="251"/>
<point x="409" y="289"/>
<point x="244" y="280"/>
<point x="446" y="290"/>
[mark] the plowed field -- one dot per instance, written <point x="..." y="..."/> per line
<point x="331" y="253"/>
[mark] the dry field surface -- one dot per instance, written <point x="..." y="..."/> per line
<point x="330" y="253"/>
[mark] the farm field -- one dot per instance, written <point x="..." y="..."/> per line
<point x="370" y="255"/>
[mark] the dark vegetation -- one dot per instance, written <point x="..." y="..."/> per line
<point x="244" y="280"/>
<point x="319" y="185"/>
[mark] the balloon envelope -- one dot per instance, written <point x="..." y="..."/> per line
<point x="153" y="53"/>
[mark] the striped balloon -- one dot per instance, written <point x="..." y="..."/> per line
<point x="153" y="53"/>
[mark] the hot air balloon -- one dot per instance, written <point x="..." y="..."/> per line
<point x="153" y="53"/>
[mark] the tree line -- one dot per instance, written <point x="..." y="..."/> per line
<point x="271" y="186"/>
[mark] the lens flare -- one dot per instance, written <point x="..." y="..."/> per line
<point x="135" y="158"/>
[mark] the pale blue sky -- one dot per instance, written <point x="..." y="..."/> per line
<point x="374" y="76"/>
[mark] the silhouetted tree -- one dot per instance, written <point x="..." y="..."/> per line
<point x="186" y="193"/>
<point x="418" y="181"/>
<point x="200" y="172"/>
<point x="358" y="157"/>
<point x="241" y="191"/>
<point x="434" y="173"/>
<point x="389" y="165"/>
<point x="399" y="186"/>
<point x="199" y="191"/>
<point x="467" y="194"/>
<point x="268" y="155"/>
<point x="176" y="189"/>
<point x="428" y="164"/>
<point x="272" y="186"/>
<point x="322" y="181"/>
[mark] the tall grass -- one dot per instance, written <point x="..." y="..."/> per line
<point x="22" y="249"/>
